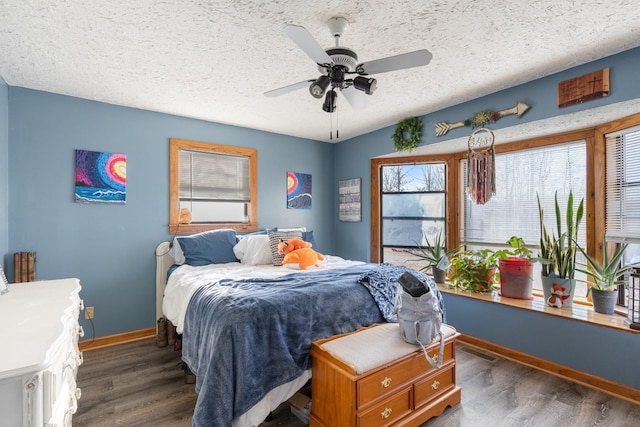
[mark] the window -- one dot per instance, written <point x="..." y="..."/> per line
<point x="623" y="195"/>
<point x="520" y="177"/>
<point x="413" y="202"/>
<point x="217" y="184"/>
<point x="623" y="186"/>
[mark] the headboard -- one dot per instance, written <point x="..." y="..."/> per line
<point x="163" y="262"/>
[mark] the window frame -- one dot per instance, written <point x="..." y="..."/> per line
<point x="376" y="202"/>
<point x="175" y="145"/>
<point x="455" y="187"/>
<point x="438" y="219"/>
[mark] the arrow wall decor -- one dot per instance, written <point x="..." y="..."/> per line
<point x="482" y="118"/>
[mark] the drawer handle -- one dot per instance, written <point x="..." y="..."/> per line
<point x="435" y="385"/>
<point x="386" y="413"/>
<point x="80" y="331"/>
<point x="386" y="382"/>
<point x="435" y="358"/>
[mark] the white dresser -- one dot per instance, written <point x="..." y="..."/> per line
<point x="39" y="354"/>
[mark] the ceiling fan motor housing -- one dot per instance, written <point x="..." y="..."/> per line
<point x="342" y="56"/>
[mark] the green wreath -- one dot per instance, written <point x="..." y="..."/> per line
<point x="407" y="134"/>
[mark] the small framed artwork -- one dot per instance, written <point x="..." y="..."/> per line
<point x="101" y="177"/>
<point x="4" y="283"/>
<point x="350" y="202"/>
<point x="299" y="190"/>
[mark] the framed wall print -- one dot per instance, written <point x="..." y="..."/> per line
<point x="101" y="177"/>
<point x="350" y="202"/>
<point x="299" y="190"/>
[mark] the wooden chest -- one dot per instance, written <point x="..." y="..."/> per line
<point x="371" y="377"/>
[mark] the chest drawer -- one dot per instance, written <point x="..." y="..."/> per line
<point x="388" y="412"/>
<point x="386" y="380"/>
<point x="425" y="390"/>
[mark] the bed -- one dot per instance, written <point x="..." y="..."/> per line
<point x="248" y="326"/>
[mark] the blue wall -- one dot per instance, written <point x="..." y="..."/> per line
<point x="600" y="351"/>
<point x="110" y="248"/>
<point x="4" y="170"/>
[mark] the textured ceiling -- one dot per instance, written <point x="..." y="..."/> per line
<point x="213" y="60"/>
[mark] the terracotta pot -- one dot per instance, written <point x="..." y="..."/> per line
<point x="485" y="281"/>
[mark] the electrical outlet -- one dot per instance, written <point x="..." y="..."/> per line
<point x="88" y="313"/>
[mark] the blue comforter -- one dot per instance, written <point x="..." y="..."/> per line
<point x="244" y="338"/>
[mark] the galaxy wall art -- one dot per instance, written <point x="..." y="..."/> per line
<point x="101" y="177"/>
<point x="298" y="190"/>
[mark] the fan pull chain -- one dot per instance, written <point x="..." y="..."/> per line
<point x="337" y="130"/>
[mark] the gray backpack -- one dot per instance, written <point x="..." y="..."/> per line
<point x="420" y="319"/>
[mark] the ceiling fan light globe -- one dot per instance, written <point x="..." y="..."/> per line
<point x="317" y="88"/>
<point x="366" y="84"/>
<point x="316" y="91"/>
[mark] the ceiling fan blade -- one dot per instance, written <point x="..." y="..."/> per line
<point x="356" y="98"/>
<point x="307" y="43"/>
<point x="287" y="89"/>
<point x="416" y="58"/>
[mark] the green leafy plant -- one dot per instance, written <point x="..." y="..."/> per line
<point x="432" y="253"/>
<point x="606" y="275"/>
<point x="558" y="251"/>
<point x="474" y="270"/>
<point x="518" y="249"/>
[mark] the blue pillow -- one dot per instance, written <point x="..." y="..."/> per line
<point x="307" y="236"/>
<point x="209" y="247"/>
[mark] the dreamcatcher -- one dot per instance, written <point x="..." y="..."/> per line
<point x="481" y="166"/>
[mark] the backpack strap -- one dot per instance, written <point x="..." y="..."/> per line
<point x="438" y="364"/>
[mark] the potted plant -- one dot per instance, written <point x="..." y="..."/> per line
<point x="474" y="269"/>
<point x="558" y="253"/>
<point x="435" y="256"/>
<point x="606" y="278"/>
<point x="516" y="269"/>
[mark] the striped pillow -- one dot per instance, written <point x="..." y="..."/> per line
<point x="275" y="237"/>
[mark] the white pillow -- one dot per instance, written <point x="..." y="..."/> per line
<point x="176" y="252"/>
<point x="253" y="250"/>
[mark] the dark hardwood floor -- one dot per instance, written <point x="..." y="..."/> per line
<point x="139" y="384"/>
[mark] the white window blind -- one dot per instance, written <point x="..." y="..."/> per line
<point x="214" y="177"/>
<point x="520" y="177"/>
<point x="623" y="186"/>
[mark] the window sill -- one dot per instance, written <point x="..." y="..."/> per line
<point x="199" y="228"/>
<point x="578" y="312"/>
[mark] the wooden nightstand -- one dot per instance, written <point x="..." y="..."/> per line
<point x="371" y="377"/>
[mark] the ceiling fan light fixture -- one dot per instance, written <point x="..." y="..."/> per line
<point x="317" y="88"/>
<point x="365" y="84"/>
<point x="329" y="104"/>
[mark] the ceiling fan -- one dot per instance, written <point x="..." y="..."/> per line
<point x="339" y="63"/>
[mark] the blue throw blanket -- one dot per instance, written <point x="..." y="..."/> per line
<point x="244" y="338"/>
<point x="382" y="283"/>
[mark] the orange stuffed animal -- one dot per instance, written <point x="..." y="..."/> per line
<point x="290" y="245"/>
<point x="304" y="257"/>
